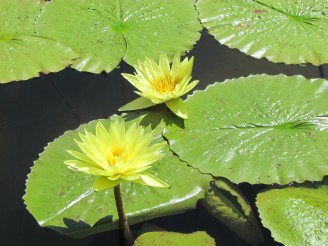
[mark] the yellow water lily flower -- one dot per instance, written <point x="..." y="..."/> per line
<point x="160" y="83"/>
<point x="116" y="154"/>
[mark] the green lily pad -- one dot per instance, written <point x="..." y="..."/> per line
<point x="259" y="129"/>
<point x="164" y="238"/>
<point x="292" y="32"/>
<point x="104" y="32"/>
<point x="64" y="199"/>
<point x="23" y="55"/>
<point x="296" y="216"/>
<point x="226" y="203"/>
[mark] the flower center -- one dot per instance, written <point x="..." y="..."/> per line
<point x="165" y="84"/>
<point x="114" y="154"/>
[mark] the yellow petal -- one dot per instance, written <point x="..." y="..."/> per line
<point x="83" y="167"/>
<point x="151" y="180"/>
<point x="116" y="133"/>
<point x="102" y="183"/>
<point x="149" y="156"/>
<point x="83" y="157"/>
<point x="138" y="141"/>
<point x="138" y="81"/>
<point x="178" y="107"/>
<point x="190" y="86"/>
<point x="186" y="68"/>
<point x="164" y="64"/>
<point x="102" y="134"/>
<point x="94" y="155"/>
<point x="175" y="65"/>
<point x="138" y="103"/>
<point x="134" y="171"/>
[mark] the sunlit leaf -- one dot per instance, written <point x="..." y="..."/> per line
<point x="104" y="32"/>
<point x="260" y="129"/>
<point x="292" y="32"/>
<point x="164" y="238"/>
<point x="64" y="200"/>
<point x="23" y="55"/>
<point x="296" y="216"/>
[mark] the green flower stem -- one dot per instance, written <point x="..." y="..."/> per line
<point x="321" y="72"/>
<point x="121" y="215"/>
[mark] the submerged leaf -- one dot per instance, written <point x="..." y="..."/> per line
<point x="292" y="32"/>
<point x="56" y="195"/>
<point x="164" y="238"/>
<point x="260" y="129"/>
<point x="296" y="216"/>
<point x="225" y="202"/>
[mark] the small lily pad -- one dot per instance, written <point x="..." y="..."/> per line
<point x="296" y="215"/>
<point x="292" y="32"/>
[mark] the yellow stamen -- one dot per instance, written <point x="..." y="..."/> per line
<point x="113" y="155"/>
<point x="164" y="84"/>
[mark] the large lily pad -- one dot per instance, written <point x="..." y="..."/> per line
<point x="64" y="200"/>
<point x="23" y="55"/>
<point x="296" y="216"/>
<point x="292" y="32"/>
<point x="260" y="129"/>
<point x="104" y="32"/>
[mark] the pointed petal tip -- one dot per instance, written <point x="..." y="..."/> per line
<point x="178" y="107"/>
<point x="139" y="103"/>
<point x="151" y="180"/>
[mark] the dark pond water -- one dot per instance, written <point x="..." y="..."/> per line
<point x="34" y="112"/>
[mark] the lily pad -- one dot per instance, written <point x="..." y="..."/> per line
<point x="259" y="129"/>
<point x="292" y="32"/>
<point x="23" y="55"/>
<point x="64" y="199"/>
<point x="104" y="32"/>
<point x="164" y="238"/>
<point x="296" y="216"/>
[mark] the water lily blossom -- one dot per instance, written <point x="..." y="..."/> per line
<point x="116" y="154"/>
<point x="160" y="83"/>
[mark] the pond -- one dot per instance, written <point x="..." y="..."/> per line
<point x="36" y="111"/>
<point x="231" y="127"/>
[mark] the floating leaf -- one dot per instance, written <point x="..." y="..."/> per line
<point x="65" y="201"/>
<point x="296" y="216"/>
<point x="23" y="55"/>
<point x="104" y="32"/>
<point x="260" y="129"/>
<point x="164" y="238"/>
<point x="226" y="203"/>
<point x="292" y="32"/>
